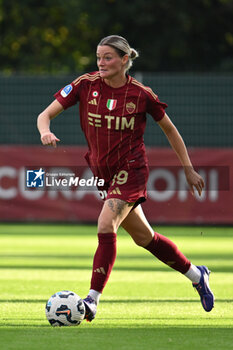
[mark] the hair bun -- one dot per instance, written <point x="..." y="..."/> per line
<point x="133" y="53"/>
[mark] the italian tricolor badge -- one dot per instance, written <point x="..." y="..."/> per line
<point x="111" y="104"/>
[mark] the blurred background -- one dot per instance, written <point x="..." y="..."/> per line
<point x="186" y="57"/>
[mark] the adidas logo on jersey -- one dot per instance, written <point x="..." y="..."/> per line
<point x="115" y="191"/>
<point x="100" y="270"/>
<point x="93" y="102"/>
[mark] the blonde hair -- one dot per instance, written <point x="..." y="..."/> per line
<point x="122" y="47"/>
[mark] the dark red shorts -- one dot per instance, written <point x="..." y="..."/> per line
<point x="127" y="184"/>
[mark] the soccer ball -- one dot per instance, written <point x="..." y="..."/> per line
<point x="65" y="309"/>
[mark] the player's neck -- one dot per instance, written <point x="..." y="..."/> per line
<point x="116" y="82"/>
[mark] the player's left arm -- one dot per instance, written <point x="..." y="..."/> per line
<point x="177" y="143"/>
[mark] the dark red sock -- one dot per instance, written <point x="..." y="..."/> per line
<point x="166" y="251"/>
<point x="103" y="260"/>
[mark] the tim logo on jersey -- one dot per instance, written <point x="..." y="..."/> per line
<point x="35" y="178"/>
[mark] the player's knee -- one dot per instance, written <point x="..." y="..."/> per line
<point x="106" y="226"/>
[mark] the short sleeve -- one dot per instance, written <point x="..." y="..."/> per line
<point x="155" y="107"/>
<point x="68" y="95"/>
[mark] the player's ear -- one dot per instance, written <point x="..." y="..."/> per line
<point x="125" y="59"/>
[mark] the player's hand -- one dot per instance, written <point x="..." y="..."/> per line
<point x="194" y="180"/>
<point x="49" y="139"/>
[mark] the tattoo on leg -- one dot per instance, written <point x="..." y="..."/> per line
<point x="111" y="205"/>
<point x="120" y="205"/>
<point x="117" y="205"/>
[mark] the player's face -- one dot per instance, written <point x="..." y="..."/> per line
<point x="109" y="62"/>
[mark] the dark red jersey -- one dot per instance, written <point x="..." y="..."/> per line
<point x="113" y="120"/>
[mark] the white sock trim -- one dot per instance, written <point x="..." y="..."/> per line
<point x="95" y="295"/>
<point x="194" y="274"/>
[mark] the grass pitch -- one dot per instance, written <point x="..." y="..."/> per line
<point x="145" y="305"/>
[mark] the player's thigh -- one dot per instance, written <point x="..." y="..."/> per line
<point x="114" y="211"/>
<point x="138" y="227"/>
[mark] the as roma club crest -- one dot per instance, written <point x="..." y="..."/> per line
<point x="130" y="107"/>
<point x="111" y="104"/>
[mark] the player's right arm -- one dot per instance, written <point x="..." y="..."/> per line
<point x="64" y="98"/>
<point x="43" y="123"/>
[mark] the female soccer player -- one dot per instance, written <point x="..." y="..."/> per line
<point x="113" y="108"/>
